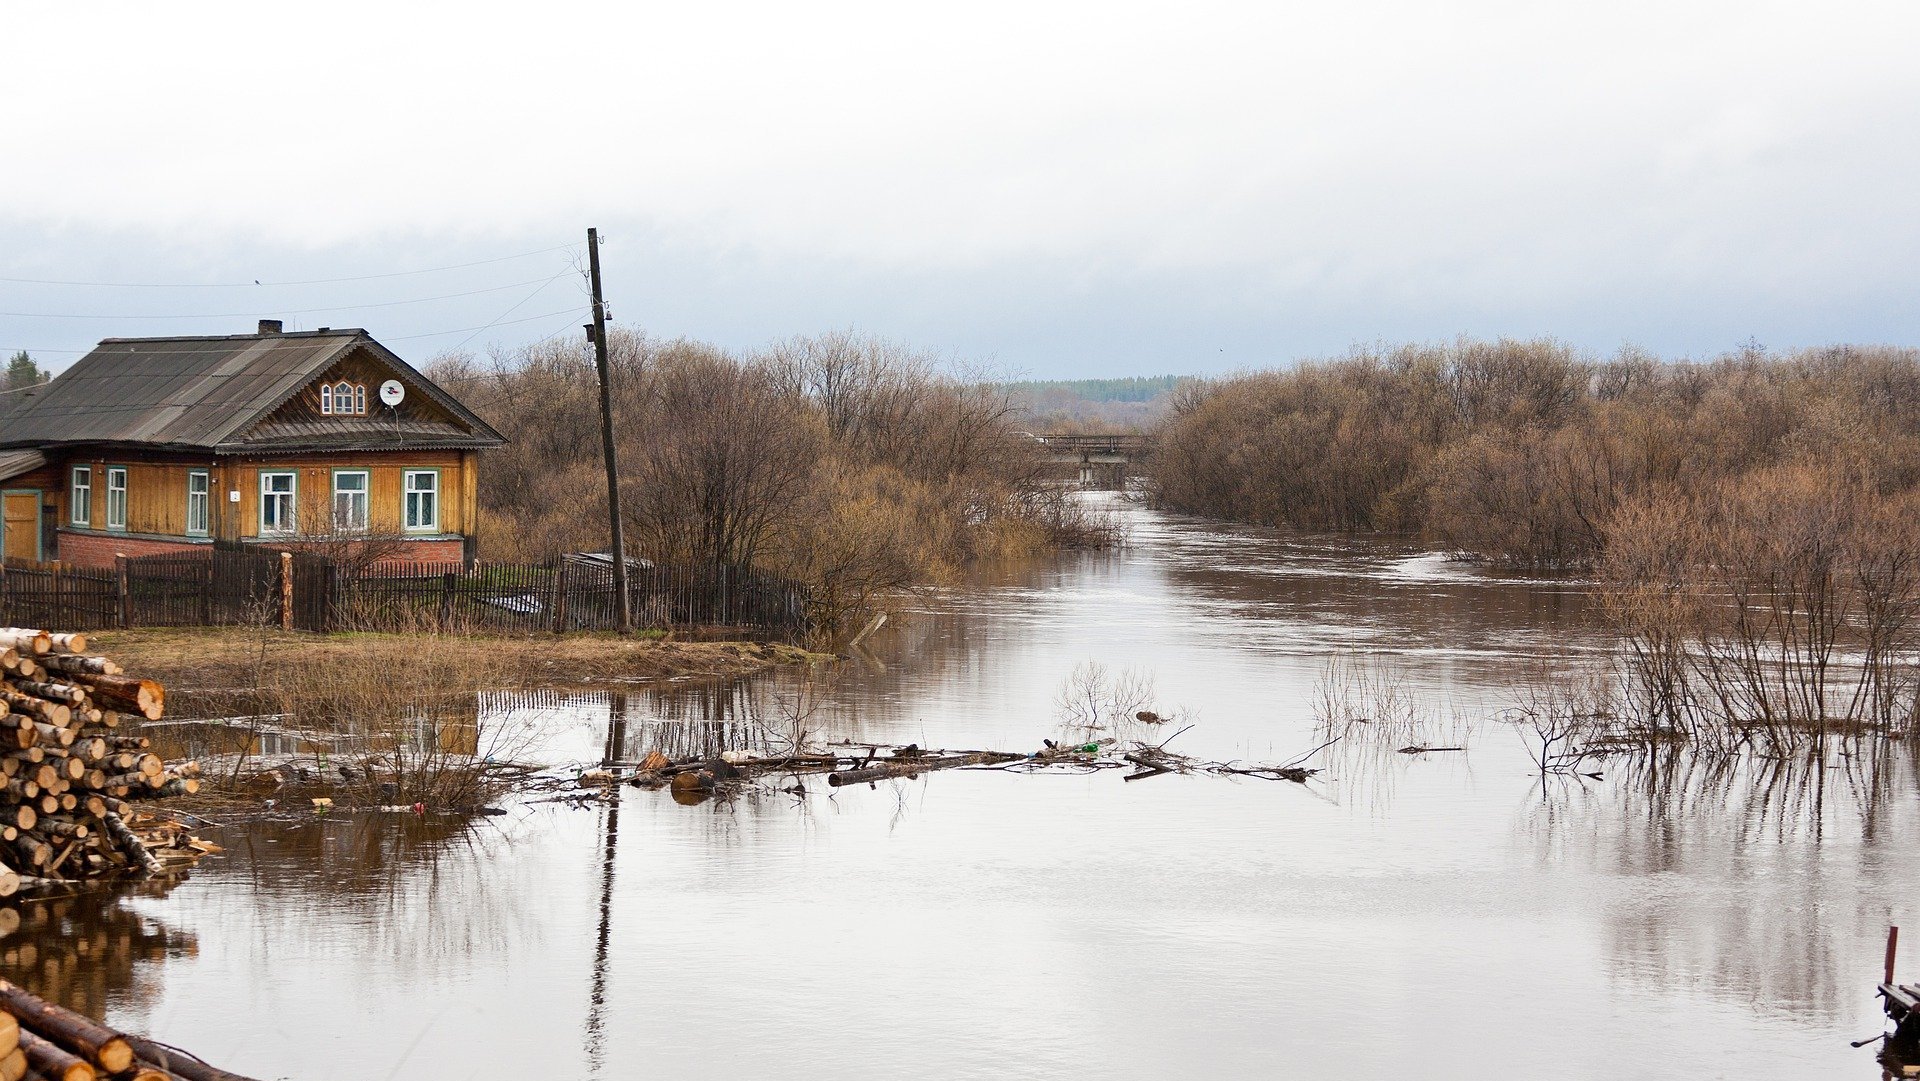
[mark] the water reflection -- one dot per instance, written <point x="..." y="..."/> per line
<point x="1441" y="914"/>
<point x="90" y="951"/>
<point x="1760" y="882"/>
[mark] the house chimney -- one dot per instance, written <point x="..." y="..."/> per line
<point x="270" y="326"/>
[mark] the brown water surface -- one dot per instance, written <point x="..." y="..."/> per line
<point x="1440" y="916"/>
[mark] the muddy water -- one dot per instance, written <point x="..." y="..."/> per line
<point x="1436" y="916"/>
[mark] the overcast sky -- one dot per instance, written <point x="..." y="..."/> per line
<point x="1059" y="189"/>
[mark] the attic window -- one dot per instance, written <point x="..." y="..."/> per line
<point x="343" y="399"/>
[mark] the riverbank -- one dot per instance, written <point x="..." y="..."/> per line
<point x="198" y="662"/>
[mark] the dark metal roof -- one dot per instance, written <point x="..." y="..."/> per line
<point x="202" y="392"/>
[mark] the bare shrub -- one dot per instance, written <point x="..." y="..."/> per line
<point x="1564" y="721"/>
<point x="1096" y="698"/>
<point x="404" y="717"/>
<point x="855" y="466"/>
<point x="1770" y="611"/>
<point x="1372" y="701"/>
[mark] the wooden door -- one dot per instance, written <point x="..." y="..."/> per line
<point x="20" y="528"/>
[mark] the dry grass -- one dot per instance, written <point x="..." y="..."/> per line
<point x="191" y="657"/>
<point x="400" y="712"/>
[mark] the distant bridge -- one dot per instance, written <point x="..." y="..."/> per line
<point x="1103" y="460"/>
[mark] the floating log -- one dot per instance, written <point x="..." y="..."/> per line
<point x="909" y="768"/>
<point x="178" y="1062"/>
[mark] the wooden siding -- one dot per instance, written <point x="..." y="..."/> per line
<point x="157" y="490"/>
<point x="360" y="366"/>
<point x="313" y="499"/>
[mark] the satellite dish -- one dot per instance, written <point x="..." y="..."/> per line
<point x="392" y="393"/>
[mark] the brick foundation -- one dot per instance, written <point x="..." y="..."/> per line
<point x="433" y="551"/>
<point x="98" y="550"/>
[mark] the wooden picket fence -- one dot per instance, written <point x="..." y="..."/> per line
<point x="228" y="585"/>
<point x="57" y="595"/>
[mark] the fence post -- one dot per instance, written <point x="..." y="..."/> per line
<point x="286" y="591"/>
<point x="126" y="594"/>
<point x="206" y="594"/>
<point x="557" y="603"/>
<point x="6" y="598"/>
<point x="446" y="599"/>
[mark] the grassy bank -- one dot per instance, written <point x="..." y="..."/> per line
<point x="199" y="662"/>
<point x="384" y="718"/>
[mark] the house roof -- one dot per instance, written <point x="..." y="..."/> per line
<point x="15" y="462"/>
<point x="211" y="392"/>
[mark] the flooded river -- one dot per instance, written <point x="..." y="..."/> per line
<point x="1437" y="916"/>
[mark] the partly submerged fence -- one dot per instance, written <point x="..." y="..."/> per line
<point x="307" y="591"/>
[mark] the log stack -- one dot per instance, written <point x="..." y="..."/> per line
<point x="71" y="765"/>
<point x="41" y="1040"/>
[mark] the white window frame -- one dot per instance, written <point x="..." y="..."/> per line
<point x="326" y="399"/>
<point x="206" y="502"/>
<point x="120" y="491"/>
<point x="407" y="494"/>
<point x="291" y="524"/>
<point x="359" y="399"/>
<point x="205" y="496"/>
<point x="365" y="492"/>
<point x="80" y="496"/>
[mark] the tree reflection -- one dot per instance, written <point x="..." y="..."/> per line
<point x="1756" y="879"/>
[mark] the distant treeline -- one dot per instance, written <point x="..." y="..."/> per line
<point x="1137" y="388"/>
<point x="1525" y="452"/>
<point x="1094" y="405"/>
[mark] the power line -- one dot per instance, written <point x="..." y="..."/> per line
<point x="487" y="326"/>
<point x="298" y="311"/>
<point x="509" y="311"/>
<point x="256" y="283"/>
<point x="383" y="338"/>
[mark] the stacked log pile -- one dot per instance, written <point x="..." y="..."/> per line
<point x="71" y="766"/>
<point x="41" y="1040"/>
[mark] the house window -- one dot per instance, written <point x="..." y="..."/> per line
<point x="343" y="399"/>
<point x="350" y="500"/>
<point x="80" y="498"/>
<point x="116" y="497"/>
<point x="198" y="506"/>
<point x="422" y="488"/>
<point x="276" y="504"/>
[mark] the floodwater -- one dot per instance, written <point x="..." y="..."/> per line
<point x="1438" y="916"/>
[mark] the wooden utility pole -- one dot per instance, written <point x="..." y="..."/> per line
<point x="623" y="610"/>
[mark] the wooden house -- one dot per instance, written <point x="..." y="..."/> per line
<point x="150" y="445"/>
